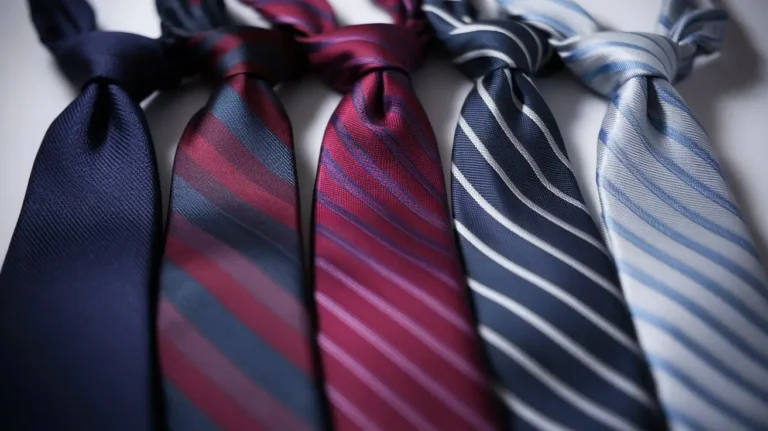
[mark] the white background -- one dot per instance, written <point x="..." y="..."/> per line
<point x="729" y="95"/>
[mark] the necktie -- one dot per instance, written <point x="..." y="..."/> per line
<point x="694" y="285"/>
<point x="75" y="289"/>
<point x="548" y="302"/>
<point x="398" y="349"/>
<point x="235" y="347"/>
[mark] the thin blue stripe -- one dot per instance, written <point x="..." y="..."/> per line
<point x="673" y="167"/>
<point x="618" y="67"/>
<point x="677" y="374"/>
<point x="699" y="351"/>
<point x="674" y="415"/>
<point x="334" y="171"/>
<point x="697" y="218"/>
<point x="385" y="135"/>
<point x="366" y="163"/>
<point x="246" y="350"/>
<point x="322" y="199"/>
<point x="234" y="113"/>
<point x="272" y="247"/>
<point x="668" y="94"/>
<point x="702" y="280"/>
<point x="181" y="414"/>
<point x="582" y="52"/>
<point x="657" y="224"/>
<point x="703" y="315"/>
<point x="665" y="129"/>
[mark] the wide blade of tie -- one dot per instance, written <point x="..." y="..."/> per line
<point x="549" y="306"/>
<point x="398" y="347"/>
<point x="693" y="280"/>
<point x="234" y="335"/>
<point x="78" y="279"/>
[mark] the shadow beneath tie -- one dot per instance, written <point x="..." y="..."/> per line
<point x="441" y="88"/>
<point x="735" y="71"/>
<point x="309" y="104"/>
<point x="168" y="113"/>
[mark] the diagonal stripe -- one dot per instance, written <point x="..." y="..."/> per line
<point x="375" y="384"/>
<point x="489" y="158"/>
<point x="556" y="291"/>
<point x="597" y="278"/>
<point x="236" y="299"/>
<point x="244" y="349"/>
<point x="491" y="105"/>
<point x="247" y="274"/>
<point x="201" y="390"/>
<point x="530" y="113"/>
<point x="566" y="343"/>
<point x="419" y="332"/>
<point x="415" y="291"/>
<point x="595" y="411"/>
<point x="404" y="363"/>
<point x="350" y="410"/>
<point x="183" y="413"/>
<point x="206" y="357"/>
<point x="230" y="108"/>
<point x="529" y="414"/>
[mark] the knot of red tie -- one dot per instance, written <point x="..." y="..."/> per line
<point x="345" y="55"/>
<point x="268" y="54"/>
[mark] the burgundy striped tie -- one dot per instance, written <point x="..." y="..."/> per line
<point x="234" y="342"/>
<point x="398" y="347"/>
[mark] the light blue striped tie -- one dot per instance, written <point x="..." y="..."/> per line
<point x="692" y="277"/>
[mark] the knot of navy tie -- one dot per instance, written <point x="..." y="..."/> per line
<point x="137" y="64"/>
<point x="344" y="55"/>
<point x="479" y="47"/>
<point x="605" y="60"/>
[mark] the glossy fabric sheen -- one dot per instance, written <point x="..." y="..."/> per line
<point x="546" y="293"/>
<point x="234" y="338"/>
<point x="399" y="351"/>
<point x="693" y="280"/>
<point x="77" y="282"/>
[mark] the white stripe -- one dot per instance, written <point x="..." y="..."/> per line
<point x="370" y="380"/>
<point x="578" y="401"/>
<point x="350" y="410"/>
<point x="541" y="211"/>
<point x="536" y="241"/>
<point x="480" y="53"/>
<point x="511" y="136"/>
<point x="443" y="14"/>
<point x="472" y="28"/>
<point x="528" y="413"/>
<point x="401" y="361"/>
<point x="536" y="119"/>
<point x="566" y="343"/>
<point x="413" y="327"/>
<point x="550" y="288"/>
<point x="539" y="48"/>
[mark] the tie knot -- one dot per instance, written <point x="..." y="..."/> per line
<point x="137" y="64"/>
<point x="482" y="46"/>
<point x="345" y="55"/>
<point x="605" y="60"/>
<point x="268" y="54"/>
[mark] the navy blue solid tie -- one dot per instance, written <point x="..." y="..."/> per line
<point x="556" y="328"/>
<point x="77" y="284"/>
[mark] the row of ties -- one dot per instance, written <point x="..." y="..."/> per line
<point x="397" y="344"/>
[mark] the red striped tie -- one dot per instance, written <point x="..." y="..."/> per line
<point x="398" y="347"/>
<point x="234" y="340"/>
